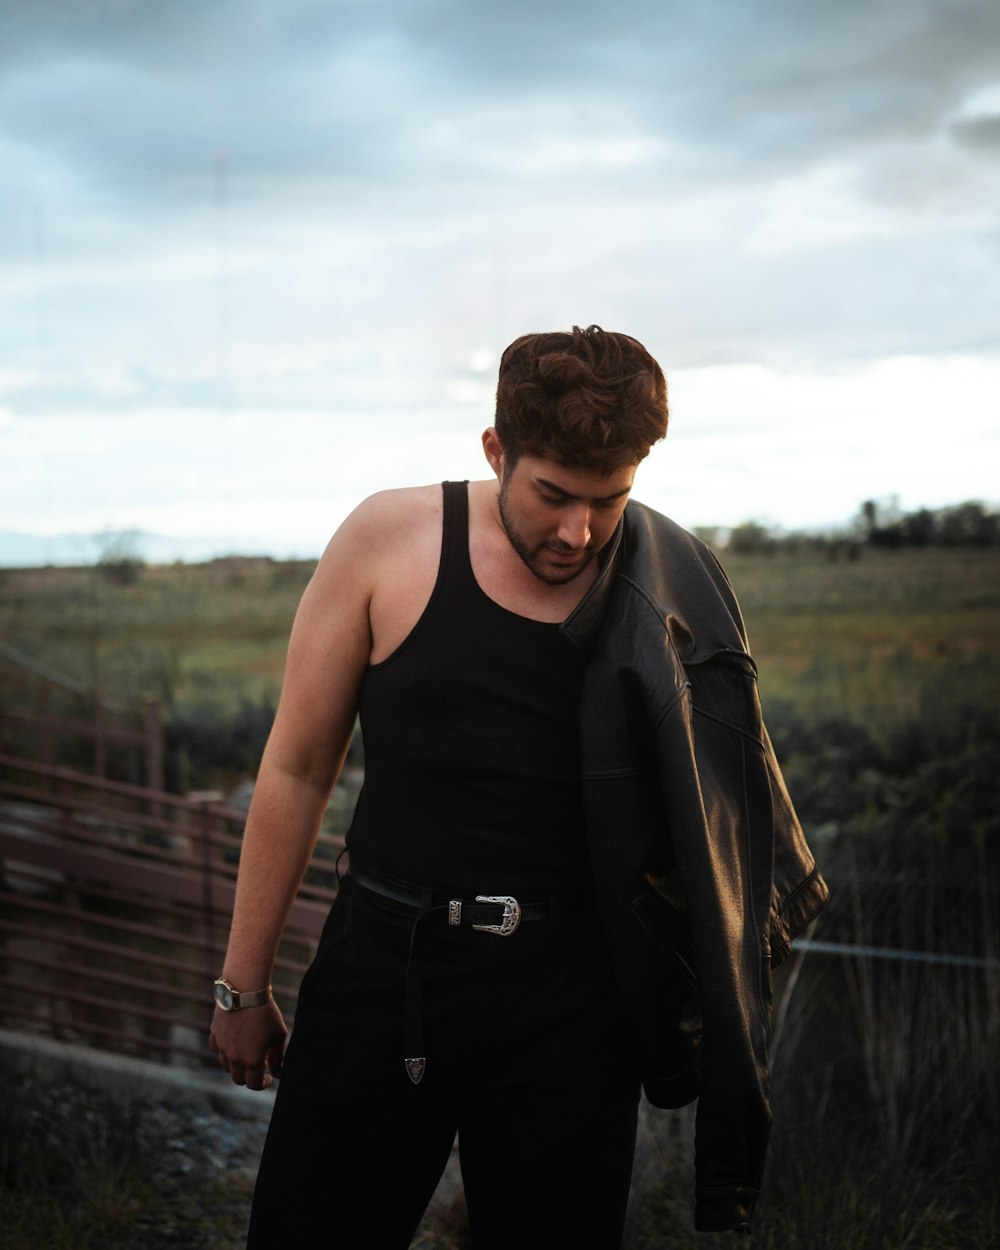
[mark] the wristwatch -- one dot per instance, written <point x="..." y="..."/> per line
<point x="228" y="998"/>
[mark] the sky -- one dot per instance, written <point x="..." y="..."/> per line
<point x="259" y="258"/>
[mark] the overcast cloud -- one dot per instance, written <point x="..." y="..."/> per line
<point x="229" y="226"/>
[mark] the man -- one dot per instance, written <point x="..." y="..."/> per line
<point x="571" y="863"/>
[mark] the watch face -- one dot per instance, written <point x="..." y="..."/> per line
<point x="223" y="996"/>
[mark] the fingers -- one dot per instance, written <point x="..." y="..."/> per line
<point x="276" y="1056"/>
<point x="241" y="1073"/>
<point x="254" y="1078"/>
<point x="250" y="1045"/>
<point x="252" y="1075"/>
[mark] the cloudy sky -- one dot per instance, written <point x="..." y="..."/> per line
<point x="259" y="257"/>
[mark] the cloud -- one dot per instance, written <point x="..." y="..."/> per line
<point x="981" y="134"/>
<point x="329" y="207"/>
<point x="782" y="446"/>
<point x="134" y="98"/>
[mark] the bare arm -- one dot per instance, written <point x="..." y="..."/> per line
<point x="327" y="656"/>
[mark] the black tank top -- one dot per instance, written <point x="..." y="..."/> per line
<point x="470" y="732"/>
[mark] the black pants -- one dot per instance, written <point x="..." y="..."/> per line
<point x="526" y="1060"/>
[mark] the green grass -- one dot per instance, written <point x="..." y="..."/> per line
<point x="889" y="636"/>
<point x="880" y="678"/>
<point x="192" y="635"/>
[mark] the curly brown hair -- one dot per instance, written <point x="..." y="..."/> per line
<point x="590" y="399"/>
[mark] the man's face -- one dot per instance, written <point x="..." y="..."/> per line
<point x="557" y="518"/>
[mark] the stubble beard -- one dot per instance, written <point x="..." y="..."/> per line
<point x="533" y="558"/>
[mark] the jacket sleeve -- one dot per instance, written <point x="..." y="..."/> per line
<point x="671" y="697"/>
<point x="717" y="797"/>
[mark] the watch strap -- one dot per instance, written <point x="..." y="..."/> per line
<point x="251" y="998"/>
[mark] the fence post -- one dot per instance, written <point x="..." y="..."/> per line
<point x="205" y="820"/>
<point x="154" y="744"/>
<point x="47" y="740"/>
<point x="100" y="741"/>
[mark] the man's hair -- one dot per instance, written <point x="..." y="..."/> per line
<point x="589" y="399"/>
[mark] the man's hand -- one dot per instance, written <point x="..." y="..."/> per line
<point x="250" y="1043"/>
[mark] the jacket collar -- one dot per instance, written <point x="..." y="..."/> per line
<point x="679" y="577"/>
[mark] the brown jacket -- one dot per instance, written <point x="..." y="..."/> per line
<point x="702" y="872"/>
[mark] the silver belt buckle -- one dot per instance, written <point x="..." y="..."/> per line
<point x="511" y="914"/>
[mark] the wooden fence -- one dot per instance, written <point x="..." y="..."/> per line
<point x="53" y="718"/>
<point x="114" y="904"/>
<point x="99" y="737"/>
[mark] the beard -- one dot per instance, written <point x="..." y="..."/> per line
<point x="534" y="557"/>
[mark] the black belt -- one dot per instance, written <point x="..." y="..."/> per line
<point x="490" y="913"/>
<point x="499" y="914"/>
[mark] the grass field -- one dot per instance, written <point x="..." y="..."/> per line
<point x="880" y="679"/>
<point x="192" y="635"/>
<point x="885" y="637"/>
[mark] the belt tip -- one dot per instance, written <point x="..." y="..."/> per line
<point x="415" y="1069"/>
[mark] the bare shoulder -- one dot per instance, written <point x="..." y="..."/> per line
<point x="391" y="517"/>
<point x="383" y="531"/>
<point x="379" y="567"/>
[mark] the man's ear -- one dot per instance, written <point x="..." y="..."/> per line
<point x="493" y="451"/>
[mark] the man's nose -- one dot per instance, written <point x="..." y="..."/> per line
<point x="574" y="528"/>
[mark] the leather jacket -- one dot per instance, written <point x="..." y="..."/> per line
<point x="702" y="873"/>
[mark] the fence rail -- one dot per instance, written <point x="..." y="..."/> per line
<point x="114" y="904"/>
<point x="115" y="896"/>
<point x="856" y="951"/>
<point x="92" y="736"/>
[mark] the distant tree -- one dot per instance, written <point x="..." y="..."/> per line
<point x="919" y="529"/>
<point x="749" y="538"/>
<point x="878" y="523"/>
<point x="119" y="559"/>
<point x="968" y="525"/>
